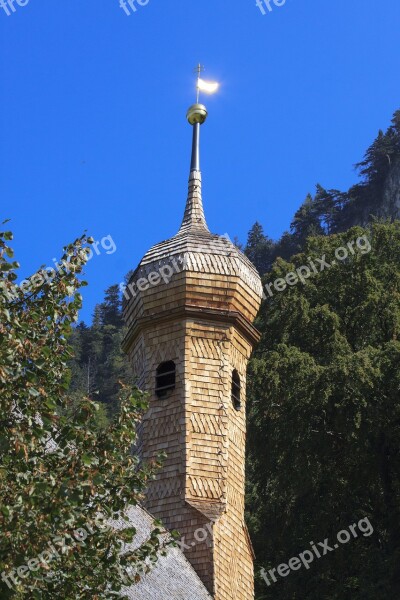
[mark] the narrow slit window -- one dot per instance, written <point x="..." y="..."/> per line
<point x="165" y="378"/>
<point x="236" y="391"/>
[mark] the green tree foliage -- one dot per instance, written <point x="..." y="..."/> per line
<point x="285" y="247"/>
<point x="328" y="207"/>
<point x="380" y="155"/>
<point x="111" y="308"/>
<point x="306" y="222"/>
<point x="259" y="248"/>
<point x="58" y="472"/>
<point x="325" y="422"/>
<point x="99" y="365"/>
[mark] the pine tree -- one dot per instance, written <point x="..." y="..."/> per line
<point x="395" y="130"/>
<point x="328" y="207"/>
<point x="99" y="364"/>
<point x="306" y="222"/>
<point x="259" y="248"/>
<point x="378" y="158"/>
<point x="111" y="313"/>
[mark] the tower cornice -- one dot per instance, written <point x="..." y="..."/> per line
<point x="193" y="312"/>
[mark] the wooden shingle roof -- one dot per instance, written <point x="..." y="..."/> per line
<point x="172" y="577"/>
<point x="197" y="249"/>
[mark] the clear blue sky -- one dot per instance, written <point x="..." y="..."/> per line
<point x="93" y="104"/>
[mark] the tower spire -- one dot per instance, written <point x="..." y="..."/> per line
<point x="194" y="218"/>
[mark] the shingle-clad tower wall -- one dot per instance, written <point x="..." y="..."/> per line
<point x="191" y="304"/>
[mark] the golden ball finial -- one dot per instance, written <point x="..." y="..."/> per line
<point x="197" y="113"/>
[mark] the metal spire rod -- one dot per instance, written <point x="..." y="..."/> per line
<point x="195" y="162"/>
<point x="199" y="69"/>
<point x="196" y="115"/>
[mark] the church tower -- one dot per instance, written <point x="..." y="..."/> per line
<point x="189" y="312"/>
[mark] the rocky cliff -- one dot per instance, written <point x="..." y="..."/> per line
<point x="391" y="193"/>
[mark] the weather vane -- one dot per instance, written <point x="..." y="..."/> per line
<point x="204" y="86"/>
<point x="197" y="114"/>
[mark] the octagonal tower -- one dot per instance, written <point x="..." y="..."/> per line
<point x="189" y="309"/>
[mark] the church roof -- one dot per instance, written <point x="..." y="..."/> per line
<point x="194" y="248"/>
<point x="198" y="249"/>
<point x="172" y="577"/>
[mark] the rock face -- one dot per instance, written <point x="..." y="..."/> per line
<point x="391" y="193"/>
<point x="383" y="203"/>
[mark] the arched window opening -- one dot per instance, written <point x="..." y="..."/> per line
<point x="165" y="378"/>
<point x="236" y="391"/>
